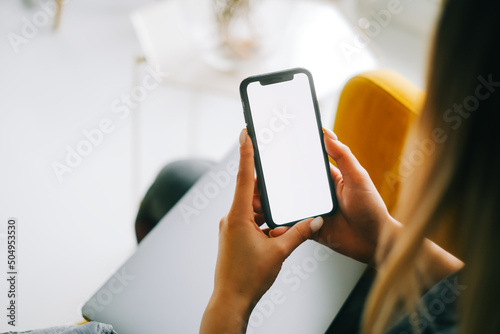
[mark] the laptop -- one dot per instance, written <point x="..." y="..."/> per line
<point x="165" y="285"/>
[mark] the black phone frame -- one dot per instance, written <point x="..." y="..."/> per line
<point x="272" y="78"/>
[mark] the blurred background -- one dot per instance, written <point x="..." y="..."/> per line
<point x="98" y="96"/>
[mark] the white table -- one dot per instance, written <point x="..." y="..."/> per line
<point x="314" y="38"/>
<point x="74" y="234"/>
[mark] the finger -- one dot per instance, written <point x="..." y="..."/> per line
<point x="257" y="205"/>
<point x="266" y="231"/>
<point x="330" y="133"/>
<point x="337" y="179"/>
<point x="243" y="194"/>
<point x="336" y="174"/>
<point x="300" y="232"/>
<point x="259" y="219"/>
<point x="256" y="190"/>
<point x="346" y="161"/>
<point x="278" y="231"/>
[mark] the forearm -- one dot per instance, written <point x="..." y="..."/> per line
<point x="226" y="315"/>
<point x="437" y="262"/>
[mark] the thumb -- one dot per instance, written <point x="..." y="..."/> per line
<point x="245" y="181"/>
<point x="300" y="232"/>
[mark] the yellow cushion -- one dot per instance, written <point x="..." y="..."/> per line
<point x="375" y="112"/>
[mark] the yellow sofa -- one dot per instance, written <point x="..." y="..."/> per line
<point x="374" y="115"/>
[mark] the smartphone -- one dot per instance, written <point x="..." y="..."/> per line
<point x="293" y="172"/>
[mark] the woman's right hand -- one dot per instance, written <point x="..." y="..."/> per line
<point x="354" y="229"/>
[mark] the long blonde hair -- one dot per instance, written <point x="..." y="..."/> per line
<point x="454" y="197"/>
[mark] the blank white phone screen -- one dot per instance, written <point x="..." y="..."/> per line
<point x="290" y="149"/>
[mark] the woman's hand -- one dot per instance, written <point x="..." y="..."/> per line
<point x="248" y="260"/>
<point x="354" y="229"/>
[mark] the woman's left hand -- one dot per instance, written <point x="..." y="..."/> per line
<point x="248" y="260"/>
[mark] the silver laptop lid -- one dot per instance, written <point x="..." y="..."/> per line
<point x="165" y="285"/>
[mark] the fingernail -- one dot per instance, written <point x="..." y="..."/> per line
<point x="316" y="224"/>
<point x="330" y="133"/>
<point x="271" y="234"/>
<point x="243" y="137"/>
